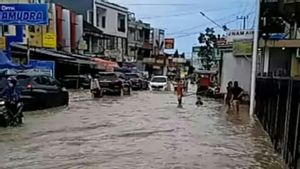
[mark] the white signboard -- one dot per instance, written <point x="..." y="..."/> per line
<point x="239" y="35"/>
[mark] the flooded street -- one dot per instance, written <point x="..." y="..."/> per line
<point x="143" y="131"/>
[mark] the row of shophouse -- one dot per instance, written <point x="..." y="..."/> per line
<point x="89" y="30"/>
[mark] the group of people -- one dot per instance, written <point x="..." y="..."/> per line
<point x="182" y="86"/>
<point x="234" y="96"/>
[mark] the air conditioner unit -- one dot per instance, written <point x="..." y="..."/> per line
<point x="298" y="53"/>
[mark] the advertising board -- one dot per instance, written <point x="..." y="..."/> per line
<point x="24" y="14"/>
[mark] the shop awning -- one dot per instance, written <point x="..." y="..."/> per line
<point x="70" y="58"/>
<point x="108" y="65"/>
<point x="44" y="51"/>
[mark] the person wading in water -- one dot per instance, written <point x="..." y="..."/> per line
<point x="228" y="95"/>
<point x="237" y="94"/>
<point x="179" y="92"/>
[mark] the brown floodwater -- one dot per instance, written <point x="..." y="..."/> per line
<point x="143" y="131"/>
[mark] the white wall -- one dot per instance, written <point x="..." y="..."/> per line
<point x="111" y="19"/>
<point x="236" y="69"/>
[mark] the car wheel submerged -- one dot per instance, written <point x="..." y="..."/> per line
<point x="129" y="91"/>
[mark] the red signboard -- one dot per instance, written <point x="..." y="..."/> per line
<point x="169" y="43"/>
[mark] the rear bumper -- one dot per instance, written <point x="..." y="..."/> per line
<point x="163" y="88"/>
<point x="110" y="90"/>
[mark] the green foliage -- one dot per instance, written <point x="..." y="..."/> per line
<point x="208" y="41"/>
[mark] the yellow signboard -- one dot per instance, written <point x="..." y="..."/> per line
<point x="49" y="40"/>
<point x="2" y="43"/>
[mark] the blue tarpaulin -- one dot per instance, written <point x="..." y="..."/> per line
<point x="5" y="63"/>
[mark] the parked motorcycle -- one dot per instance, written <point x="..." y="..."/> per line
<point x="8" y="117"/>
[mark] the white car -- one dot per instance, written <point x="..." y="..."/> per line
<point x="159" y="83"/>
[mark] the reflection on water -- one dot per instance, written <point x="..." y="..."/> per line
<point x="142" y="131"/>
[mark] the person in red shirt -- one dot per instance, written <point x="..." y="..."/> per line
<point x="179" y="92"/>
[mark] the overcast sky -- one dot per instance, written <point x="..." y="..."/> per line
<point x="185" y="27"/>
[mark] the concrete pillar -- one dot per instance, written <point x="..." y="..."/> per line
<point x="90" y="44"/>
<point x="266" y="60"/>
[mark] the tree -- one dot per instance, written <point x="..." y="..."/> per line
<point x="208" y="41"/>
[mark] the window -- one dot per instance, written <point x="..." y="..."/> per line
<point x="5" y="29"/>
<point x="159" y="80"/>
<point x="90" y="16"/>
<point x="43" y="80"/>
<point x="53" y="81"/>
<point x="141" y="34"/>
<point x="103" y="21"/>
<point x="121" y="23"/>
<point x="98" y="20"/>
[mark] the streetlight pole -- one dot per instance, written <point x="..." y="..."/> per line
<point x="254" y="58"/>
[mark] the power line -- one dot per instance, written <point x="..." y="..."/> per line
<point x="181" y="14"/>
<point x="163" y="16"/>
<point x="197" y="26"/>
<point x="168" y="4"/>
<point x="194" y="33"/>
<point x="214" y="22"/>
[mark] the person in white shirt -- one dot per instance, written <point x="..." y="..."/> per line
<point x="95" y="88"/>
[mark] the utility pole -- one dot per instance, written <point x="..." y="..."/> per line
<point x="245" y="19"/>
<point x="254" y="58"/>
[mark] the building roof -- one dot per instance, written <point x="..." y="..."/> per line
<point x="112" y="5"/>
<point x="90" y="29"/>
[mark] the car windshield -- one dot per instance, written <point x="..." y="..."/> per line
<point x="132" y="76"/>
<point x="159" y="80"/>
<point x="108" y="76"/>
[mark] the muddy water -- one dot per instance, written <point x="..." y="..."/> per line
<point x="144" y="131"/>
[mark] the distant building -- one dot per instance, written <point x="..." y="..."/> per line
<point x="157" y="62"/>
<point x="279" y="41"/>
<point x="110" y="18"/>
<point x="139" y="45"/>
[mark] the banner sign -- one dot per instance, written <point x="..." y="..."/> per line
<point x="233" y="35"/>
<point x="242" y="48"/>
<point x="196" y="49"/>
<point x="49" y="40"/>
<point x="45" y="67"/>
<point x="169" y="43"/>
<point x="24" y="14"/>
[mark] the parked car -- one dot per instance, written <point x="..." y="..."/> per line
<point x="40" y="91"/>
<point x="137" y="81"/>
<point x="114" y="83"/>
<point x="159" y="83"/>
<point x="76" y="81"/>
